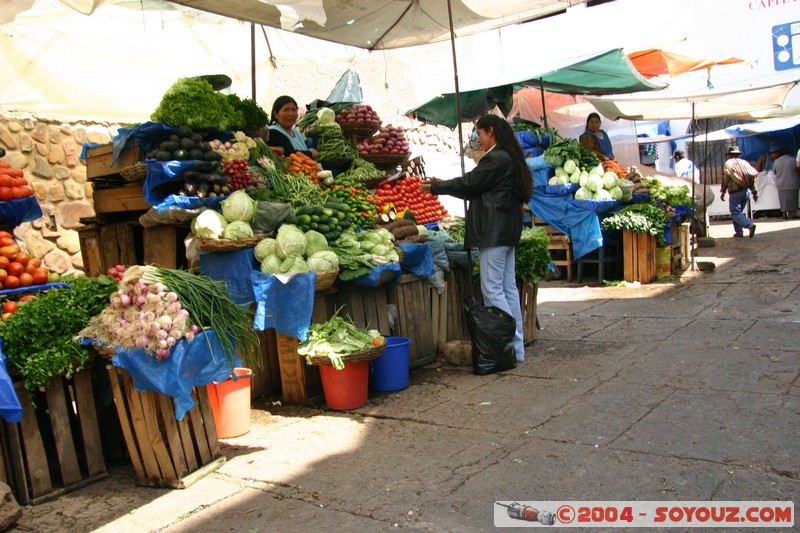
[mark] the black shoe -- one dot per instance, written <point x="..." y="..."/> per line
<point x="752" y="231"/>
<point x="738" y="235"/>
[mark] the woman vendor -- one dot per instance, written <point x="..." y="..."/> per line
<point x="595" y="139"/>
<point x="282" y="130"/>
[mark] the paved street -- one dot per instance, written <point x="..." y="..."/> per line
<point x="686" y="389"/>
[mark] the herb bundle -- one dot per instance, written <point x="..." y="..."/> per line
<point x="638" y="218"/>
<point x="532" y="255"/>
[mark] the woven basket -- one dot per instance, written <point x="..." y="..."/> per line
<point x="355" y="357"/>
<point x="385" y="161"/>
<point x="137" y="172"/>
<point x="358" y="129"/>
<point x="325" y="279"/>
<point x="227" y="245"/>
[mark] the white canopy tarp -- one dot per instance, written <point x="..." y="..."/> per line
<point x="750" y="128"/>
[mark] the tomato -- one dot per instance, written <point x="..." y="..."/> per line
<point x="6" y="234"/>
<point x="17" y="192"/>
<point x="27" y="298"/>
<point x="3" y="276"/>
<point x="25" y="280"/>
<point x="36" y="262"/>
<point x="15" y="269"/>
<point x="10" y="306"/>
<point x="9" y="251"/>
<point x="29" y="268"/>
<point x="12" y="282"/>
<point x="4" y="316"/>
<point x="6" y="193"/>
<point x="4" y="262"/>
<point x="40" y="276"/>
<point x="22" y="258"/>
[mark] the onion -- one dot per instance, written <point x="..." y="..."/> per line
<point x="194" y="328"/>
<point x="162" y="353"/>
<point x="124" y="300"/>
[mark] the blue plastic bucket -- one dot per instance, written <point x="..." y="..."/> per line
<point x="389" y="371"/>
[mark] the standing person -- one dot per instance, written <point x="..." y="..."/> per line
<point x="764" y="162"/>
<point x="739" y="178"/>
<point x="595" y="139"/>
<point x="282" y="130"/>
<point x="496" y="189"/>
<point x="787" y="180"/>
<point x="684" y="168"/>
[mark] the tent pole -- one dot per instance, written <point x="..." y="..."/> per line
<point x="694" y="226"/>
<point x="253" y="60"/>
<point x="544" y="111"/>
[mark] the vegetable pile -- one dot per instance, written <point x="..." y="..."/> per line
<point x="329" y="219"/>
<point x="532" y="254"/>
<point x="360" y="252"/>
<point x="389" y="140"/>
<point x="193" y="102"/>
<point x="293" y="251"/>
<point x="638" y="218"/>
<point x="406" y="193"/>
<point x="337" y="337"/>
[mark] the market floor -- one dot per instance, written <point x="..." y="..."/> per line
<point x="686" y="389"/>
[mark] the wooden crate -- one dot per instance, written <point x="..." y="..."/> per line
<point x="56" y="447"/>
<point x="528" y="292"/>
<point x="106" y="245"/>
<point x="98" y="159"/>
<point x="681" y="243"/>
<point x="300" y="383"/>
<point x="266" y="379"/>
<point x="560" y="247"/>
<point x="458" y="282"/>
<point x="639" y="257"/>
<point x="415" y="300"/>
<point x="129" y="197"/>
<point x="164" y="451"/>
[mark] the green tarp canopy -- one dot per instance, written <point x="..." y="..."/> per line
<point x="609" y="72"/>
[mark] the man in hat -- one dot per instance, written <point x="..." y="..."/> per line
<point x="738" y="180"/>
<point x="684" y="168"/>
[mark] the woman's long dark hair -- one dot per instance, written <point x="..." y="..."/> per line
<point x="506" y="140"/>
<point x="277" y="105"/>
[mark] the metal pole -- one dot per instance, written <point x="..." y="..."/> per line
<point x="544" y="111"/>
<point x="253" y="60"/>
<point x="693" y="239"/>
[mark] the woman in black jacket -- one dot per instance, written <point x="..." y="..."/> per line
<point x="496" y="190"/>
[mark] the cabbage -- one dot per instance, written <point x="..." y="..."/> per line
<point x="326" y="115"/>
<point x="209" y="225"/>
<point x="291" y="241"/>
<point x="238" y="231"/>
<point x="325" y="260"/>
<point x="583" y="194"/>
<point x="595" y="183"/>
<point x="570" y="166"/>
<point x="627" y="189"/>
<point x="584" y="179"/>
<point x="609" y="180"/>
<point x="616" y="192"/>
<point x="563" y="180"/>
<point x="599" y="170"/>
<point x="294" y="264"/>
<point x="271" y="264"/>
<point x="238" y="206"/>
<point x="315" y="242"/>
<point x="575" y="177"/>
<point x="265" y="247"/>
<point x="561" y="172"/>
<point x="602" y="194"/>
<point x="553" y="181"/>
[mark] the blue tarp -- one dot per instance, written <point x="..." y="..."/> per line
<point x="10" y="408"/>
<point x="285" y="305"/>
<point x="191" y="364"/>
<point x="233" y="268"/>
<point x="15" y="212"/>
<point x="162" y="172"/>
<point x="417" y="259"/>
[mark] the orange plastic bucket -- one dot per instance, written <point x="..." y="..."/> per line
<point x="347" y="388"/>
<point x="230" y="404"/>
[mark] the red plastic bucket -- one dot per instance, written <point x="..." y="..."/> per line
<point x="347" y="388"/>
<point x="230" y="404"/>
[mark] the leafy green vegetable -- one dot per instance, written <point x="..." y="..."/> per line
<point x="253" y="116"/>
<point x="193" y="102"/>
<point x="532" y="255"/>
<point x="337" y="337"/>
<point x="669" y="194"/>
<point x="38" y="339"/>
<point x="638" y="218"/>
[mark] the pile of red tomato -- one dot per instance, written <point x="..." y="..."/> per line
<point x="13" y="183"/>
<point x="17" y="268"/>
<point x="405" y="193"/>
<point x="10" y="306"/>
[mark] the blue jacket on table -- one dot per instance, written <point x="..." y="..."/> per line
<point x="494" y="216"/>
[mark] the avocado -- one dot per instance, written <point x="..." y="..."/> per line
<point x="211" y="155"/>
<point x="194" y="153"/>
<point x="163" y="155"/>
<point x="174" y="138"/>
<point x="151" y="154"/>
<point x="187" y="144"/>
<point x="184" y="131"/>
<point x="203" y="146"/>
<point x="181" y="155"/>
<point x="169" y="146"/>
<point x="196" y="137"/>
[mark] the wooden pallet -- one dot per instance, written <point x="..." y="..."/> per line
<point x="417" y="306"/>
<point x="164" y="451"/>
<point x="98" y="160"/>
<point x="56" y="447"/>
<point x="639" y="257"/>
<point x="105" y="245"/>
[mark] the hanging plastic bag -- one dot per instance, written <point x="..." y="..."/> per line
<point x="492" y="331"/>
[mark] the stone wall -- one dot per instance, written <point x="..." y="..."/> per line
<point x="49" y="154"/>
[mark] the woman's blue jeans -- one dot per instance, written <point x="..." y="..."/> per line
<point x="499" y="287"/>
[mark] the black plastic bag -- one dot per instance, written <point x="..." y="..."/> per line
<point x="492" y="331"/>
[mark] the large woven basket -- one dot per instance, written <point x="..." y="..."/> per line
<point x="385" y="161"/>
<point x="355" y="357"/>
<point x="325" y="279"/>
<point x="136" y="172"/>
<point x="227" y="245"/>
<point x="358" y="129"/>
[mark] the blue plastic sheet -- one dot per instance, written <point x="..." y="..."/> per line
<point x="598" y="206"/>
<point x="417" y="259"/>
<point x="15" y="212"/>
<point x="284" y="305"/>
<point x="542" y="172"/>
<point x="150" y="134"/>
<point x="562" y="189"/>
<point x="33" y="289"/>
<point x="10" y="408"/>
<point x="640" y="197"/>
<point x="191" y="364"/>
<point x="378" y="275"/>
<point x="581" y="225"/>
<point x="233" y="268"/>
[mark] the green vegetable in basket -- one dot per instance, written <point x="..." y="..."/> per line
<point x="238" y="230"/>
<point x="337" y="337"/>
